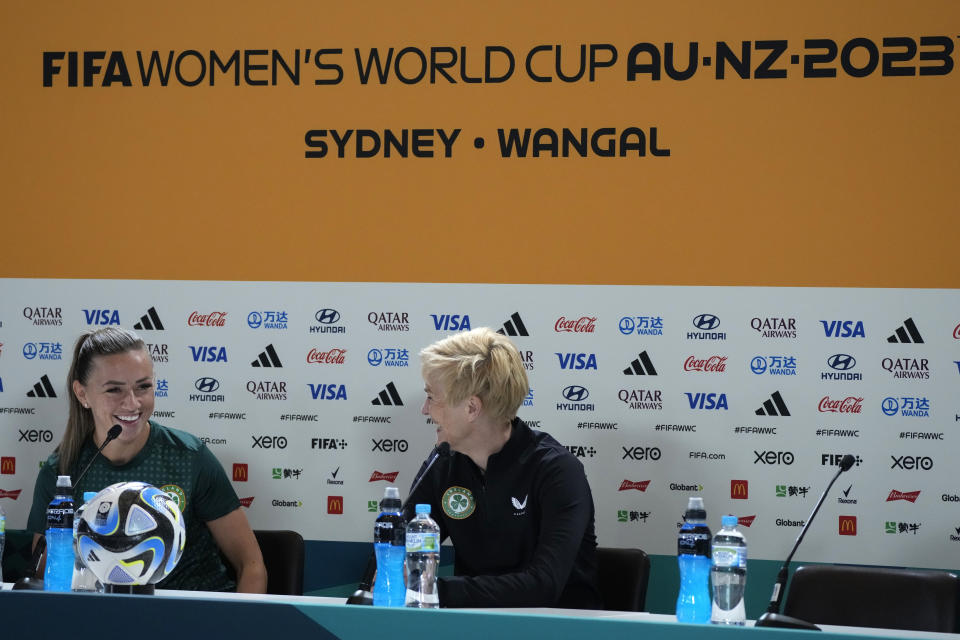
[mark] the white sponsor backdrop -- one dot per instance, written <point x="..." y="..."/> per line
<point x="785" y="470"/>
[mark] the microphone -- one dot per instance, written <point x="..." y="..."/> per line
<point x="773" y="617"/>
<point x="30" y="580"/>
<point x="362" y="595"/>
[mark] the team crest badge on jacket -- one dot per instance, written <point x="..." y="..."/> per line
<point x="458" y="503"/>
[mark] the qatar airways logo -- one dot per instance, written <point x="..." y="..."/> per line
<point x="212" y="319"/>
<point x="908" y="496"/>
<point x="713" y="364"/>
<point x="849" y="404"/>
<point x="627" y="485"/>
<point x="584" y="324"/>
<point x="333" y="356"/>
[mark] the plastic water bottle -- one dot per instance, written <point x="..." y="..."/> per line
<point x="423" y="558"/>
<point x="83" y="578"/>
<point x="693" y="556"/>
<point x="389" y="544"/>
<point x="729" y="574"/>
<point x="3" y="536"/>
<point x="58" y="575"/>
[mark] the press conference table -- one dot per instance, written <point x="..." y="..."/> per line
<point x="170" y="615"/>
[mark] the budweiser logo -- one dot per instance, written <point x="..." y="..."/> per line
<point x="716" y="364"/>
<point x="909" y="496"/>
<point x="246" y="502"/>
<point x="389" y="477"/>
<point x="580" y="325"/>
<point x="334" y="356"/>
<point x="213" y="319"/>
<point x="626" y="485"/>
<point x="10" y="494"/>
<point x="746" y="520"/>
<point x="847" y="405"/>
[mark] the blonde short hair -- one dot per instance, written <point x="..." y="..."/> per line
<point x="478" y="363"/>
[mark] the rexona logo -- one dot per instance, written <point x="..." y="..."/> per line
<point x="908" y="496"/>
<point x="575" y="396"/>
<point x="712" y="364"/>
<point x="44" y="316"/>
<point x="267" y="389"/>
<point x="389" y="445"/>
<point x="332" y="356"/>
<point x="269" y="442"/>
<point x="642" y="399"/>
<point x="850" y="404"/>
<point x="774" y="365"/>
<point x="841" y="363"/>
<point x="212" y="319"/>
<point x="328" y="321"/>
<point x="847" y="525"/>
<point x="846" y="499"/>
<point x="578" y="361"/>
<point x="739" y="489"/>
<point x="642" y="365"/>
<point x="775" y="327"/>
<point x="208" y="353"/>
<point x="774" y="406"/>
<point x="908" y="407"/>
<point x="707" y="401"/>
<point x="450" y="322"/>
<point x="907" y="333"/>
<point x="241" y="472"/>
<point x="641" y="453"/>
<point x="773" y="457"/>
<point x="912" y="463"/>
<point x="907" y="368"/>
<point x="641" y="325"/>
<point x="583" y="324"/>
<point x="390" y="357"/>
<point x="326" y="391"/>
<point x="514" y="326"/>
<point x="707" y="325"/>
<point x="101" y="317"/>
<point x="628" y="485"/>
<point x="267" y="319"/>
<point x="377" y="476"/>
<point x="843" y="328"/>
<point x="389" y="320"/>
<point x="150" y="321"/>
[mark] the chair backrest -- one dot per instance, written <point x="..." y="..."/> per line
<point x="283" y="556"/>
<point x="622" y="576"/>
<point x="884" y="597"/>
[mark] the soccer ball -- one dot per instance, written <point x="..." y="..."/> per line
<point x="130" y="534"/>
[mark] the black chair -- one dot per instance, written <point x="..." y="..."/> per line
<point x="283" y="556"/>
<point x="622" y="576"/>
<point x="884" y="597"/>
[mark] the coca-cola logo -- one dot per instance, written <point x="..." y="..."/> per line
<point x="584" y="324"/>
<point x="212" y="319"/>
<point x="389" y="477"/>
<point x="713" y="364"/>
<point x="909" y="496"/>
<point x="847" y="405"/>
<point x="627" y="485"/>
<point x="746" y="521"/>
<point x="333" y="356"/>
<point x="956" y="332"/>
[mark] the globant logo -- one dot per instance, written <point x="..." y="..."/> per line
<point x="775" y="327"/>
<point x="641" y="325"/>
<point x="583" y="324"/>
<point x="706" y="323"/>
<point x="388" y="357"/>
<point x="575" y="394"/>
<point x="267" y="319"/>
<point x="774" y="365"/>
<point x="44" y="316"/>
<point x="389" y="320"/>
<point x="43" y="350"/>
<point x="328" y="321"/>
<point x="841" y="363"/>
<point x="907" y="368"/>
<point x="906" y="406"/>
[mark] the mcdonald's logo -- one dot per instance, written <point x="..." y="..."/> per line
<point x="848" y="525"/>
<point x="739" y="489"/>
<point x="8" y="465"/>
<point x="335" y="504"/>
<point x="240" y="472"/>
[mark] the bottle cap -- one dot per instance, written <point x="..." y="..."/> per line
<point x="423" y="508"/>
<point x="88" y="496"/>
<point x="728" y="521"/>
<point x="63" y="481"/>
<point x="391" y="500"/>
<point x="695" y="510"/>
<point x="391" y="492"/>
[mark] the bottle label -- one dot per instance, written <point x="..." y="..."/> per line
<point x="3" y="524"/>
<point x="423" y="542"/>
<point x="729" y="556"/>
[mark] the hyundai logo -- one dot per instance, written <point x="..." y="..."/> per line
<point x="29" y="351"/>
<point x="576" y="393"/>
<point x="758" y="365"/>
<point x="706" y="322"/>
<point x="327" y="316"/>
<point x="890" y="406"/>
<point x="841" y="362"/>
<point x="374" y="357"/>
<point x="627" y="325"/>
<point x="206" y="385"/>
<point x="254" y="320"/>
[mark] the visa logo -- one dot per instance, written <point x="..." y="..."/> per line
<point x="714" y="401"/>
<point x="102" y="316"/>
<point x="209" y="354"/>
<point x="328" y="391"/>
<point x="446" y="322"/>
<point x="577" y="360"/>
<point x="843" y="328"/>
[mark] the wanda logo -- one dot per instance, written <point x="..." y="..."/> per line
<point x="626" y="485"/>
<point x="585" y="324"/>
<point x="909" y="496"/>
<point x="716" y="364"/>
<point x="389" y="477"/>
<point x="212" y="319"/>
<point x="334" y="356"/>
<point x="847" y="405"/>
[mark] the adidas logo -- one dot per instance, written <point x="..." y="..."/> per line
<point x="150" y="321"/>
<point x="92" y="557"/>
<point x="775" y="406"/>
<point x="514" y="326"/>
<point x="42" y="389"/>
<point x="388" y="397"/>
<point x="642" y="366"/>
<point x="907" y="333"/>
<point x="267" y="358"/>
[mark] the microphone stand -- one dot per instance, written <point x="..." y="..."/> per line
<point x="773" y="617"/>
